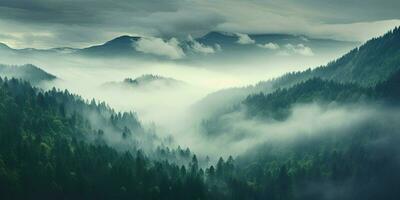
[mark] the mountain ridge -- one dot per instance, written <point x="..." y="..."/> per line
<point x="124" y="45"/>
<point x="348" y="65"/>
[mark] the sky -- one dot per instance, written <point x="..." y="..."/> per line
<point x="76" y="23"/>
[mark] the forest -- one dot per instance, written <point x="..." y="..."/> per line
<point x="192" y="101"/>
<point x="51" y="149"/>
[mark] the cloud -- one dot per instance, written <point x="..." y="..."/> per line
<point x="199" y="47"/>
<point x="158" y="46"/>
<point x="359" y="31"/>
<point x="218" y="47"/>
<point x="306" y="119"/>
<point x="244" y="39"/>
<point x="300" y="49"/>
<point x="81" y="23"/>
<point x="304" y="39"/>
<point x="270" y="45"/>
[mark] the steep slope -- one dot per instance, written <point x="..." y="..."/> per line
<point x="278" y="105"/>
<point x="390" y="89"/>
<point x="307" y="159"/>
<point x="367" y="65"/>
<point x="56" y="145"/>
<point x="354" y="163"/>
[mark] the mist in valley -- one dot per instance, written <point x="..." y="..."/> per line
<point x="170" y="108"/>
<point x="199" y="100"/>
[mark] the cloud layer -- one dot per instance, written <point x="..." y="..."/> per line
<point x="244" y="39"/>
<point x="49" y="23"/>
<point x="201" y="48"/>
<point x="157" y="46"/>
<point x="270" y="45"/>
<point x="300" y="49"/>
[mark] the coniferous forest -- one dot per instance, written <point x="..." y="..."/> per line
<point x="159" y="116"/>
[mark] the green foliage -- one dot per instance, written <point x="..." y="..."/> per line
<point x="50" y="149"/>
<point x="278" y="105"/>
<point x="368" y="65"/>
<point x="357" y="164"/>
<point x="54" y="145"/>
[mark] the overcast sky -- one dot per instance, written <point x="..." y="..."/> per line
<point x="79" y="23"/>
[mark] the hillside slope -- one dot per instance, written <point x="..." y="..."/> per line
<point x="371" y="63"/>
<point x="27" y="72"/>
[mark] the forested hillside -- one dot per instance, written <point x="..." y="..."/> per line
<point x="55" y="145"/>
<point x="345" y="163"/>
<point x="199" y="100"/>
<point x="368" y="65"/>
<point x="327" y="133"/>
<point x="277" y="105"/>
<point x="45" y="153"/>
<point x="28" y="72"/>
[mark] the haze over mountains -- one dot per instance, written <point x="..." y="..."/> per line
<point x="147" y="82"/>
<point x="27" y="72"/>
<point x="199" y="100"/>
<point x="366" y="65"/>
<point x="159" y="118"/>
<point x="212" y="43"/>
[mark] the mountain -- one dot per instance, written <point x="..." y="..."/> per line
<point x="232" y="44"/>
<point x="231" y="40"/>
<point x="326" y="164"/>
<point x="216" y="46"/>
<point x="120" y="46"/>
<point x="27" y="72"/>
<point x="221" y="38"/>
<point x="56" y="145"/>
<point x="371" y="63"/>
<point x="277" y="105"/>
<point x="147" y="82"/>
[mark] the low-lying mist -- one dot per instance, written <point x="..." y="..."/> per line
<point x="241" y="133"/>
<point x="168" y="107"/>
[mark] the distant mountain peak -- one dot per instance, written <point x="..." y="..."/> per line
<point x="148" y="81"/>
<point x="123" y="39"/>
<point x="217" y="33"/>
<point x="122" y="45"/>
<point x="151" y="78"/>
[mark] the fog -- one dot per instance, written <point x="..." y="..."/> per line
<point x="305" y="120"/>
<point x="168" y="107"/>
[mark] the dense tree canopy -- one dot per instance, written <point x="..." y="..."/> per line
<point x="55" y="145"/>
